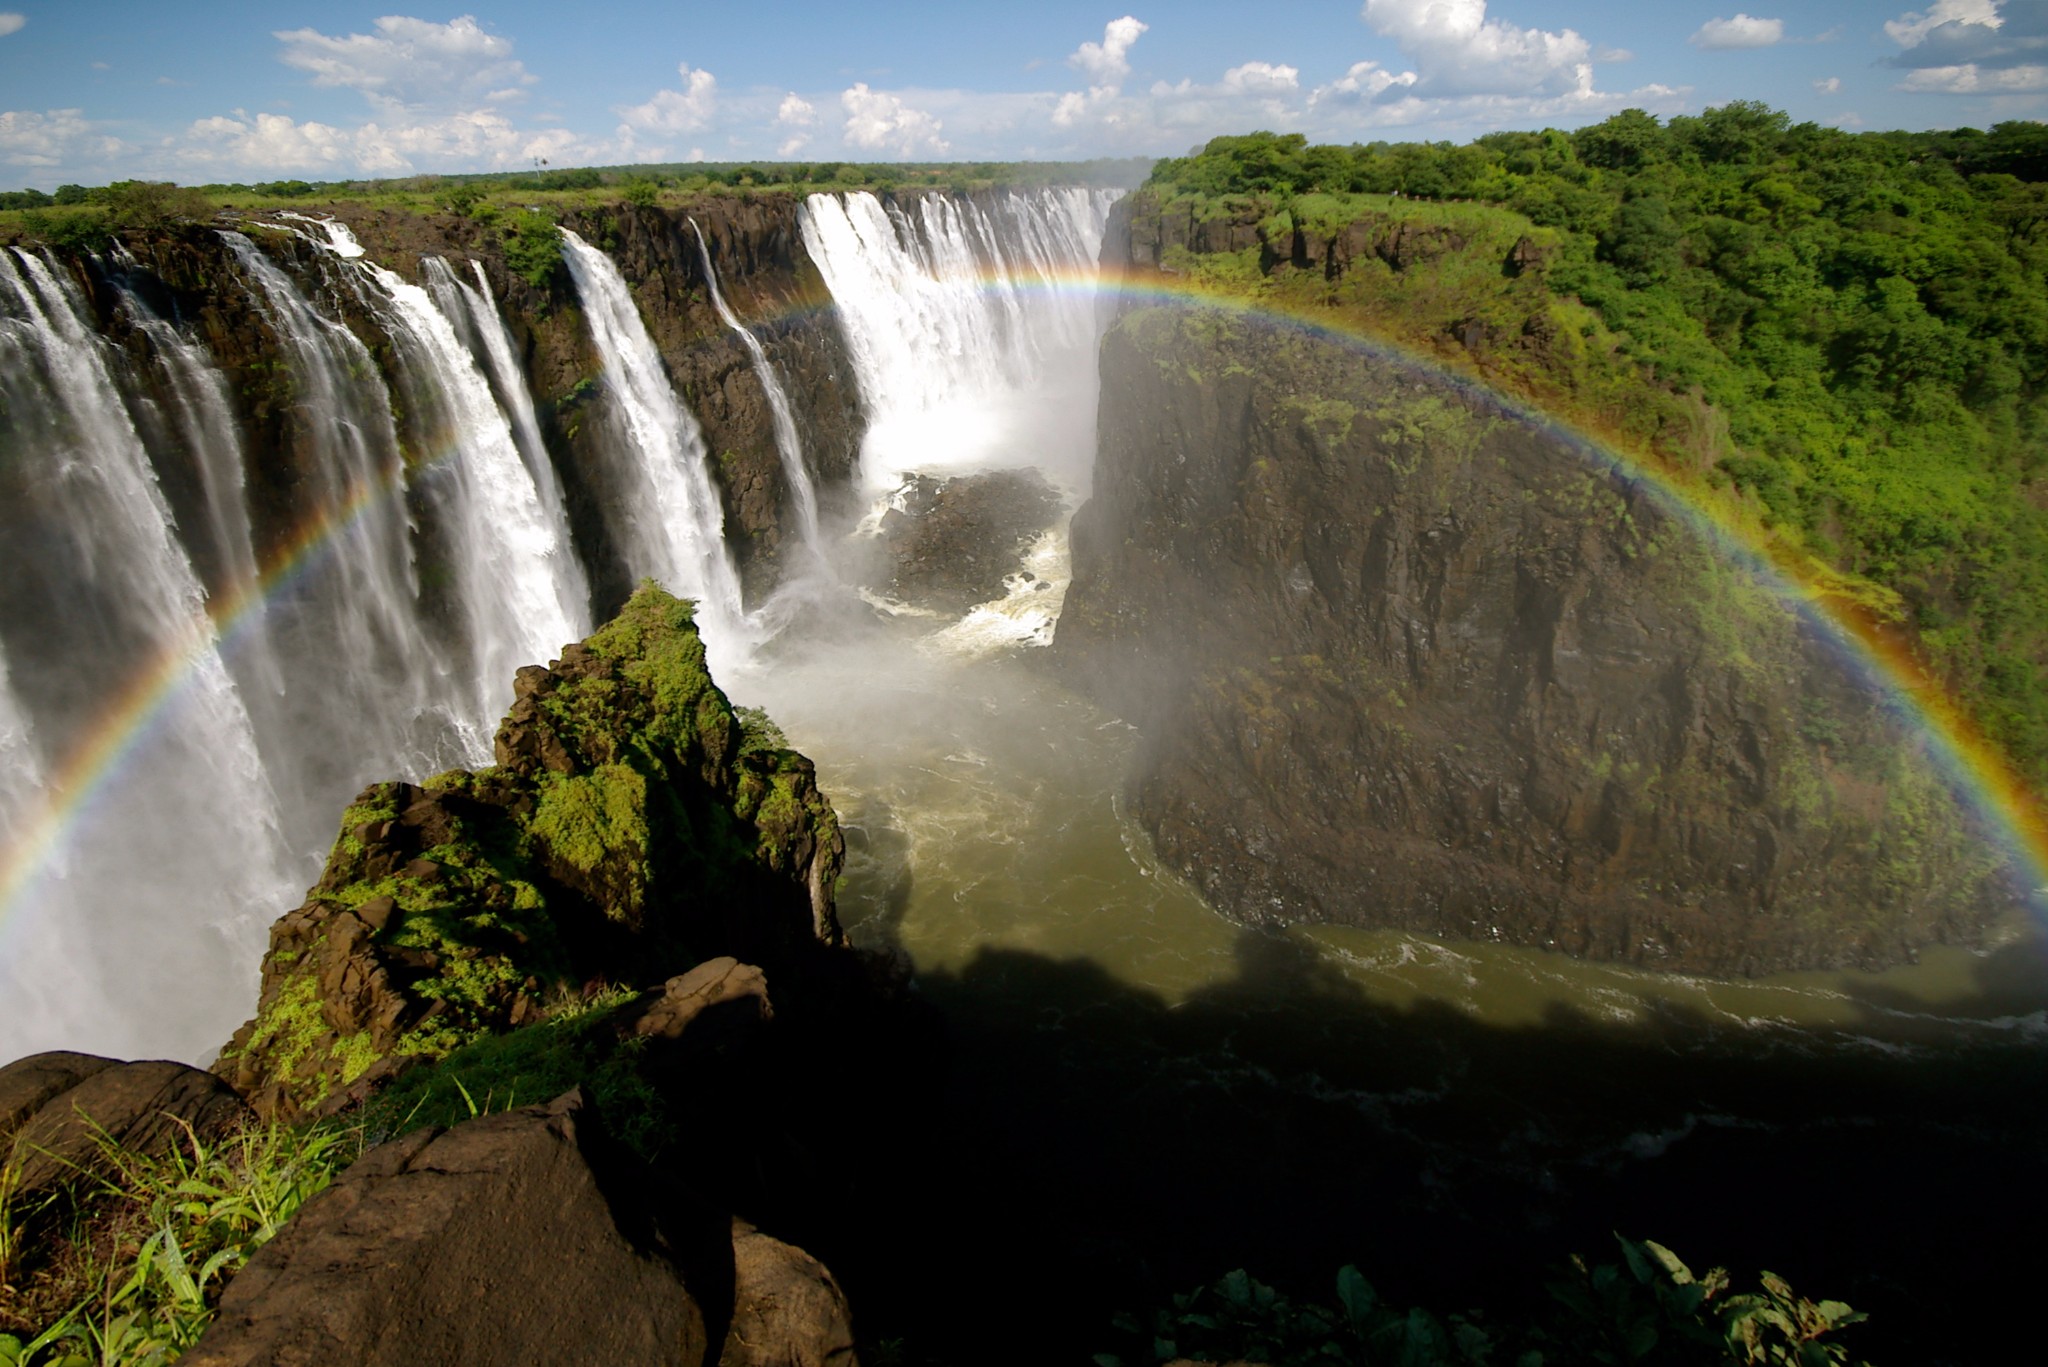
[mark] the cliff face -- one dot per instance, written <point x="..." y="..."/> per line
<point x="631" y="827"/>
<point x="1402" y="661"/>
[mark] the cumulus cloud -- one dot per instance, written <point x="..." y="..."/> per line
<point x="1364" y="81"/>
<point x="877" y="120"/>
<point x="11" y="22"/>
<point x="411" y="62"/>
<point x="1107" y="63"/>
<point x="1911" y="28"/>
<point x="1743" y="31"/>
<point x="796" y="111"/>
<point x="675" y="111"/>
<point x="1970" y="79"/>
<point x="55" y="137"/>
<point x="1972" y="47"/>
<point x="1261" y="78"/>
<point x="465" y="141"/>
<point x="1829" y="86"/>
<point x="1457" y="50"/>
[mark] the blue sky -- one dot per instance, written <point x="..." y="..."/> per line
<point x="92" y="90"/>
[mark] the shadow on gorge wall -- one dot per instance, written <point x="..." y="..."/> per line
<point x="1096" y="1148"/>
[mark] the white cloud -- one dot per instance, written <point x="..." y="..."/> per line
<point x="1107" y="63"/>
<point x="1831" y="86"/>
<point x="1911" y="29"/>
<point x="1970" y="79"/>
<point x="11" y="22"/>
<point x="791" y="146"/>
<point x="1261" y="78"/>
<point x="1743" y="31"/>
<point x="55" y="137"/>
<point x="410" y="62"/>
<point x="1457" y="50"/>
<point x="796" y="111"/>
<point x="877" y="120"/>
<point x="675" y="111"/>
<point x="260" y="144"/>
<point x="1364" y="81"/>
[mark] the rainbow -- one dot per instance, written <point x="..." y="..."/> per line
<point x="1970" y="765"/>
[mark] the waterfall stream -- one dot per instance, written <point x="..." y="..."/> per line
<point x="675" y="528"/>
<point x="787" y="444"/>
<point x="971" y="325"/>
<point x="189" y="807"/>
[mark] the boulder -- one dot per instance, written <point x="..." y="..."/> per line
<point x="951" y="543"/>
<point x="711" y="983"/>
<point x="60" y="1112"/>
<point x="787" y="1309"/>
<point x="516" y="1238"/>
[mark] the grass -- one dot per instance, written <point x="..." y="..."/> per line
<point x="135" y="1276"/>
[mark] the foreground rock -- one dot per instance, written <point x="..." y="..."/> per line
<point x="522" y="1238"/>
<point x="1404" y="661"/>
<point x="65" y="1119"/>
<point x="632" y="827"/>
<point x="950" y="543"/>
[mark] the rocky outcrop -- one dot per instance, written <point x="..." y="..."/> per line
<point x="632" y="827"/>
<point x="949" y="543"/>
<point x="1405" y="660"/>
<point x="516" y="1238"/>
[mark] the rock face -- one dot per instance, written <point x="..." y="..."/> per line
<point x="1403" y="661"/>
<point x="516" y="1238"/>
<point x="631" y="828"/>
<point x="950" y="543"/>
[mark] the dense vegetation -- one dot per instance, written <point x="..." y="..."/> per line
<point x="1649" y="1308"/>
<point x="1859" y="318"/>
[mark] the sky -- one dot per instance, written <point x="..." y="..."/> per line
<point x="98" y="90"/>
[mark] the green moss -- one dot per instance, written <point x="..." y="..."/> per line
<point x="597" y="824"/>
<point x="289" y="1027"/>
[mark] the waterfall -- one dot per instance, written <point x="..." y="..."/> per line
<point x="394" y="708"/>
<point x="478" y="307"/>
<point x="674" y="526"/>
<point x="971" y="324"/>
<point x="206" y="424"/>
<point x="21" y="768"/>
<point x="190" y="862"/>
<point x="521" y="593"/>
<point x="787" y="445"/>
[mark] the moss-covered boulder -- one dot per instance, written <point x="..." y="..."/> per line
<point x="633" y="826"/>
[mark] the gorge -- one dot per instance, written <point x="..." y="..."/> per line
<point x="1340" y="644"/>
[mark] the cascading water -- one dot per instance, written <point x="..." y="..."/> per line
<point x="801" y="491"/>
<point x="399" y="706"/>
<point x="21" y="768"/>
<point x="207" y="427"/>
<point x="971" y="324"/>
<point x="674" y="527"/>
<point x="520" y="590"/>
<point x="189" y="806"/>
<point x="475" y="312"/>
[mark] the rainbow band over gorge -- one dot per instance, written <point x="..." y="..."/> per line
<point x="1974" y="769"/>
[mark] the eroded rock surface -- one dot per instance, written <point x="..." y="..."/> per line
<point x="520" y="1238"/>
<point x="950" y="543"/>
<point x="1404" y="661"/>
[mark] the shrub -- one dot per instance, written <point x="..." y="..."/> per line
<point x="533" y="246"/>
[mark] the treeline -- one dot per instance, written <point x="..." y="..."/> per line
<point x="1868" y="310"/>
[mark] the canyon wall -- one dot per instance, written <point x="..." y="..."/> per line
<point x="1404" y="659"/>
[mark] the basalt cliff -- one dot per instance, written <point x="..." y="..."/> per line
<point x="1405" y="657"/>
